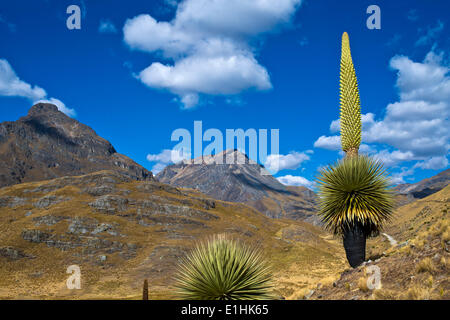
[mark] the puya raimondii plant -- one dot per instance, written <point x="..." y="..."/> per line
<point x="355" y="199"/>
<point x="222" y="268"/>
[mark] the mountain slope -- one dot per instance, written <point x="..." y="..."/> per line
<point x="425" y="187"/>
<point x="245" y="181"/>
<point x="413" y="256"/>
<point x="121" y="231"/>
<point x="47" y="144"/>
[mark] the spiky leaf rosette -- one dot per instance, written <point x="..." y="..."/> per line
<point x="350" y="119"/>
<point x="224" y="269"/>
<point x="355" y="189"/>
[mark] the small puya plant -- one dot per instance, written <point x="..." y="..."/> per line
<point x="222" y="268"/>
<point x="355" y="198"/>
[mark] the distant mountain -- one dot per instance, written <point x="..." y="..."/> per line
<point x="244" y="183"/>
<point x="424" y="187"/>
<point x="47" y="144"/>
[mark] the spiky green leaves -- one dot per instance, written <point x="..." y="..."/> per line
<point x="350" y="120"/>
<point x="224" y="269"/>
<point x="355" y="189"/>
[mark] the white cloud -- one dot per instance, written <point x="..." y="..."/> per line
<point x="11" y="85"/>
<point x="391" y="159"/>
<point x="398" y="178"/>
<point x="296" y="181"/>
<point x="426" y="81"/>
<point x="158" y="167"/>
<point x="429" y="34"/>
<point x="434" y="163"/>
<point x="291" y="161"/>
<point x="329" y="143"/>
<point x="416" y="128"/>
<point x="166" y="157"/>
<point x="209" y="75"/>
<point x="210" y="44"/>
<point x="106" y="26"/>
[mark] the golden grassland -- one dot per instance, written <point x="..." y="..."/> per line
<point x="301" y="254"/>
<point x="308" y="263"/>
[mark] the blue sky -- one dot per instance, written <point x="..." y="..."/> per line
<point x="136" y="71"/>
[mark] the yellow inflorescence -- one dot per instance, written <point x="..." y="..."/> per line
<point x="349" y="100"/>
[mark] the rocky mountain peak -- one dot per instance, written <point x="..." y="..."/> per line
<point x="43" y="108"/>
<point x="230" y="157"/>
<point x="47" y="144"/>
<point x="231" y="176"/>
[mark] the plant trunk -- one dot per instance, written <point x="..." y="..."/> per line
<point x="145" y="290"/>
<point x="355" y="245"/>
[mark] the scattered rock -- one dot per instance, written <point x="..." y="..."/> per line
<point x="100" y="190"/>
<point x="110" y="204"/>
<point x="13" y="254"/>
<point x="12" y="202"/>
<point x="82" y="225"/>
<point x="36" y="236"/>
<point x="47" y="201"/>
<point x="48" y="220"/>
<point x="309" y="294"/>
<point x="102" y="227"/>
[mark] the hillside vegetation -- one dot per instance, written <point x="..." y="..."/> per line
<point x="121" y="231"/>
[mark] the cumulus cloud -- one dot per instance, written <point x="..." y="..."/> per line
<point x="210" y="44"/>
<point x="329" y="143"/>
<point x="166" y="157"/>
<point x="106" y="26"/>
<point x="399" y="177"/>
<point x="434" y="163"/>
<point x="415" y="128"/>
<point x="290" y="180"/>
<point x="291" y="161"/>
<point x="11" y="85"/>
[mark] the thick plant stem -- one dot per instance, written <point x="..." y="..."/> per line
<point x="352" y="152"/>
<point x="355" y="245"/>
<point x="145" y="290"/>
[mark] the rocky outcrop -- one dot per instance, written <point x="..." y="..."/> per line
<point x="47" y="144"/>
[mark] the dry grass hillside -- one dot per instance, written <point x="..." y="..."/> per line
<point x="121" y="231"/>
<point x="412" y="254"/>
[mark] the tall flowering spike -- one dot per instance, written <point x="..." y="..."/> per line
<point x="349" y="102"/>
